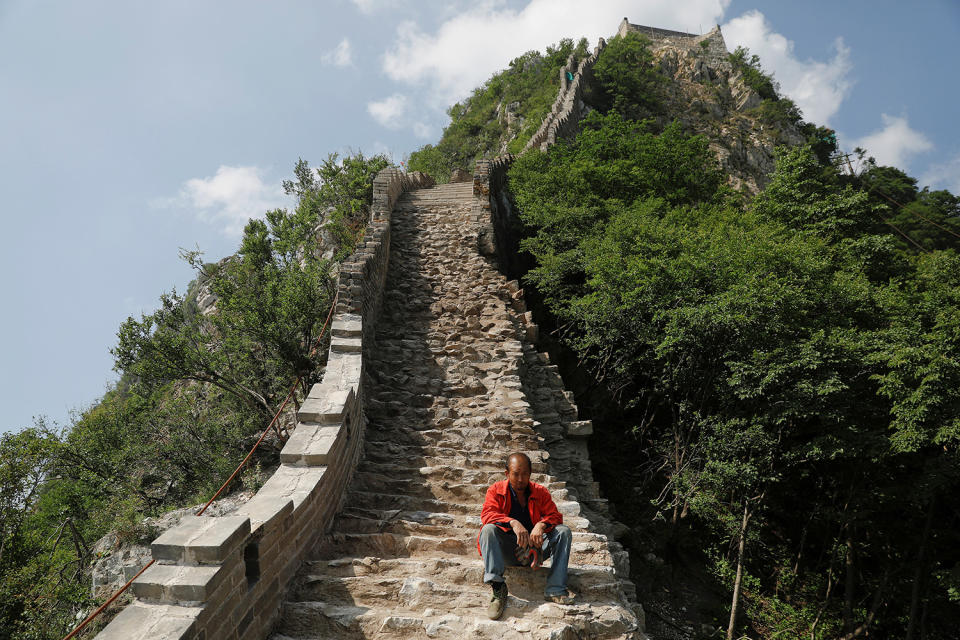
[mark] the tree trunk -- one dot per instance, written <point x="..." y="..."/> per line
<point x="739" y="578"/>
<point x="919" y="574"/>
<point x="849" y="584"/>
<point x="864" y="628"/>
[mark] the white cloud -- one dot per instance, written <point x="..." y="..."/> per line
<point x="817" y="87"/>
<point x="895" y="143"/>
<point x="945" y="175"/>
<point x="389" y="111"/>
<point x="339" y="56"/>
<point x="422" y="130"/>
<point x="370" y="6"/>
<point x="230" y="197"/>
<point x="468" y="48"/>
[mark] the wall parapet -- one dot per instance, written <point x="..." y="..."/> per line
<point x="223" y="578"/>
<point x="567" y="110"/>
<point x="710" y="45"/>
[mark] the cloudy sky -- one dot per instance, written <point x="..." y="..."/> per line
<point x="129" y="130"/>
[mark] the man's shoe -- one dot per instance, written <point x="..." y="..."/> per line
<point x="565" y="597"/>
<point x="498" y="602"/>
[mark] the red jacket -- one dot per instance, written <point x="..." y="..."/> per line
<point x="496" y="507"/>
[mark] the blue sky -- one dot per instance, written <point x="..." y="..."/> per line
<point x="129" y="130"/>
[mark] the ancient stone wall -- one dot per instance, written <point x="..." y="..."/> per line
<point x="493" y="212"/>
<point x="224" y="577"/>
<point x="711" y="46"/>
<point x="568" y="109"/>
<point x="495" y="219"/>
<point x="494" y="216"/>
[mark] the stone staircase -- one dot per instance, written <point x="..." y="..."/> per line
<point x="454" y="385"/>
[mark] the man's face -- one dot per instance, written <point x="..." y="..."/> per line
<point x="518" y="474"/>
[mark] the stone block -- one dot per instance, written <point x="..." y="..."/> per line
<point x="328" y="409"/>
<point x="579" y="429"/>
<point x="347" y="326"/>
<point x="173" y="583"/>
<point x="346" y="345"/>
<point x="343" y="371"/>
<point x="533" y="333"/>
<point x="293" y="483"/>
<point x="265" y="512"/>
<point x="310" y="444"/>
<point x="143" y="621"/>
<point x="202" y="539"/>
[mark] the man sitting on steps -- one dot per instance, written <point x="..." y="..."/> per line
<point x="521" y="524"/>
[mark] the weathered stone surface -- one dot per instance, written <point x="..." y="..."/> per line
<point x="347" y="326"/>
<point x="328" y="408"/>
<point x="310" y="444"/>
<point x="201" y="539"/>
<point x="455" y="384"/>
<point x="174" y="583"/>
<point x="345" y="345"/>
<point x="294" y="483"/>
<point x="265" y="511"/>
<point x="142" y="621"/>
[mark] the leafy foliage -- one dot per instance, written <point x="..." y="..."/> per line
<point x="626" y="80"/>
<point x="478" y="125"/>
<point x="786" y="370"/>
<point x="196" y="388"/>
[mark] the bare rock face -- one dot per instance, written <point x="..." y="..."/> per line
<point x="709" y="97"/>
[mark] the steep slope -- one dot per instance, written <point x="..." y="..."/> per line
<point x="713" y="96"/>
<point x="456" y="386"/>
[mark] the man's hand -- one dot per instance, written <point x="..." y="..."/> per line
<point x="523" y="536"/>
<point x="536" y="536"/>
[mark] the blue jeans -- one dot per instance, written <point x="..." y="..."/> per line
<point x="497" y="548"/>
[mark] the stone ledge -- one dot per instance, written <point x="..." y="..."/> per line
<point x="346" y="345"/>
<point x="265" y="512"/>
<point x="142" y="621"/>
<point x="291" y="483"/>
<point x="173" y="583"/>
<point x="347" y="326"/>
<point x="310" y="444"/>
<point x="201" y="539"/>
<point x="328" y="408"/>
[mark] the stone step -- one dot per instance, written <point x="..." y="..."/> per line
<point x="399" y="502"/>
<point x="483" y="440"/>
<point x="483" y="478"/>
<point x="457" y="492"/>
<point x="466" y="571"/>
<point x="366" y="520"/>
<point x="464" y="460"/>
<point x="587" y="548"/>
<point x="523" y="620"/>
<point x="410" y="593"/>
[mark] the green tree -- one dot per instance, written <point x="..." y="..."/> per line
<point x="478" y="125"/>
<point x="626" y="79"/>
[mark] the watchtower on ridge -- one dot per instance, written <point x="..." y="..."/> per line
<point x="710" y="44"/>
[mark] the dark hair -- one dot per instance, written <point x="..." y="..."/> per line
<point x="519" y="455"/>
